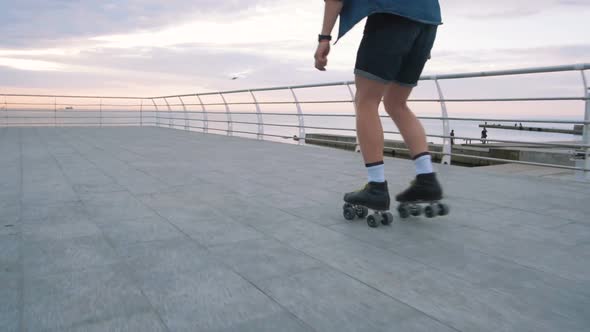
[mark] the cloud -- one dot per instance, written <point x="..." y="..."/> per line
<point x="510" y="57"/>
<point x="31" y="65"/>
<point x="157" y="48"/>
<point x="508" y="9"/>
<point x="203" y="50"/>
<point x="43" y="22"/>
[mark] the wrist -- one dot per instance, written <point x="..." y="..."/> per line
<point x="324" y="38"/>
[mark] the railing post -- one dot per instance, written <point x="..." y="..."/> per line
<point x="357" y="147"/>
<point x="300" y="118"/>
<point x="230" y="127"/>
<point x="157" y="113"/>
<point x="186" y="125"/>
<point x="205" y="117"/>
<point x="141" y="112"/>
<point x="169" y="113"/>
<point x="447" y="148"/>
<point x="100" y="109"/>
<point x="260" y="120"/>
<point x="585" y="175"/>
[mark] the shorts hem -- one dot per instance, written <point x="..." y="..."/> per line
<point x="374" y="77"/>
<point x="407" y="85"/>
<point x="370" y="76"/>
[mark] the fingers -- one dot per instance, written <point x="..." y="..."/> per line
<point x="321" y="56"/>
<point x="321" y="63"/>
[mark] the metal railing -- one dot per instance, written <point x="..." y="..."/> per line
<point x="70" y="110"/>
<point x="196" y="111"/>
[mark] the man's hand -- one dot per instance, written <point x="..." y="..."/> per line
<point x="331" y="12"/>
<point x="321" y="55"/>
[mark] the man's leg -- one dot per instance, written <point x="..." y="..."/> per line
<point x="368" y="124"/>
<point x="375" y="195"/>
<point x="426" y="186"/>
<point x="396" y="97"/>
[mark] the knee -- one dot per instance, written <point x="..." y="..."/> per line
<point x="393" y="103"/>
<point x="366" y="100"/>
<point x="396" y="109"/>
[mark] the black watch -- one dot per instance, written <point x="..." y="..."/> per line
<point x="324" y="37"/>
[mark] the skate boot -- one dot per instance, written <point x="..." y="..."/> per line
<point x="374" y="196"/>
<point x="425" y="189"/>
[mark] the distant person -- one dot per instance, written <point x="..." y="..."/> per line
<point x="484" y="135"/>
<point x="520" y="126"/>
<point x="396" y="44"/>
<point x="452" y="137"/>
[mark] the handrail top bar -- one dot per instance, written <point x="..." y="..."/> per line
<point x="534" y="70"/>
<point x="67" y="96"/>
<point x="288" y="87"/>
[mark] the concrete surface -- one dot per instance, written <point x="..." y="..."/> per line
<point x="153" y="229"/>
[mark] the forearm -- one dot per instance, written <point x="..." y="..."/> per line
<point x="331" y="12"/>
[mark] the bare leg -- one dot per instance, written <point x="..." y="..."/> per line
<point x="368" y="123"/>
<point x="375" y="195"/>
<point x="396" y="97"/>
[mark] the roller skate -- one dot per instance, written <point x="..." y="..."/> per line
<point x="374" y="196"/>
<point x="424" y="190"/>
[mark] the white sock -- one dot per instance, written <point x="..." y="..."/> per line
<point x="423" y="164"/>
<point x="376" y="173"/>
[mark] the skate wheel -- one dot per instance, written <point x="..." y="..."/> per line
<point x="443" y="209"/>
<point x="415" y="210"/>
<point x="349" y="213"/>
<point x="362" y="212"/>
<point x="431" y="211"/>
<point x="374" y="220"/>
<point x="403" y="211"/>
<point x="347" y="205"/>
<point x="387" y="218"/>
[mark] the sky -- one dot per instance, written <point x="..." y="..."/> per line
<point x="153" y="47"/>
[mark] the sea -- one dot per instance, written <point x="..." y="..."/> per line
<point x="288" y="124"/>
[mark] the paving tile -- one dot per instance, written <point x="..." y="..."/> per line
<point x="331" y="301"/>
<point x="263" y="259"/>
<point x="57" y="256"/>
<point x="148" y="322"/>
<point x="9" y="292"/>
<point x="211" y="298"/>
<point x="63" y="300"/>
<point x="58" y="230"/>
<point x="282" y="321"/>
<point x="10" y="321"/>
<point x="110" y="208"/>
<point x="9" y="249"/>
<point x="50" y="213"/>
<point x="217" y="231"/>
<point x="127" y="232"/>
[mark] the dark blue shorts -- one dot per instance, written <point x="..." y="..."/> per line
<point x="394" y="49"/>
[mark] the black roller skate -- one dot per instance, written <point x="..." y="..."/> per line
<point x="425" y="189"/>
<point x="374" y="196"/>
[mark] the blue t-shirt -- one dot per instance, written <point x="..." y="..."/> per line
<point x="353" y="11"/>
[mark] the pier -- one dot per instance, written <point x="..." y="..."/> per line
<point x="467" y="154"/>
<point x="578" y="130"/>
<point x="162" y="214"/>
<point x="166" y="230"/>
